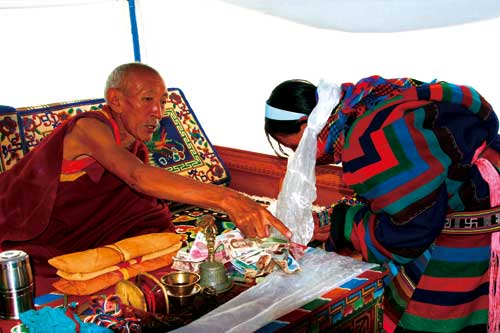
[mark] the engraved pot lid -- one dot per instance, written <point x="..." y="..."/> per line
<point x="13" y="255"/>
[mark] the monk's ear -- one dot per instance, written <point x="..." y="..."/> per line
<point x="113" y="99"/>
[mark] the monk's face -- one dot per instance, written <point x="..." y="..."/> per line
<point x="141" y="104"/>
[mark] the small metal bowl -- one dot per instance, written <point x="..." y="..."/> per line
<point x="180" y="283"/>
<point x="179" y="303"/>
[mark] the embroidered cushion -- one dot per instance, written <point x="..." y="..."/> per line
<point x="10" y="138"/>
<point x="180" y="145"/>
<point x="37" y="122"/>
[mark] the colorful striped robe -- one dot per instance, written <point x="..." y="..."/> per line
<point x="407" y="149"/>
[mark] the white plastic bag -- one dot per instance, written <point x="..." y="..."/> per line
<point x="298" y="192"/>
<point x="280" y="293"/>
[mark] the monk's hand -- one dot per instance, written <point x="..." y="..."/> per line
<point x="253" y="219"/>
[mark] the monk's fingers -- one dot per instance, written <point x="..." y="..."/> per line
<point x="247" y="227"/>
<point x="256" y="221"/>
<point x="262" y="228"/>
<point x="249" y="231"/>
<point x="281" y="228"/>
<point x="268" y="221"/>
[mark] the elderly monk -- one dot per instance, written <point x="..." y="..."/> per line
<point x="88" y="184"/>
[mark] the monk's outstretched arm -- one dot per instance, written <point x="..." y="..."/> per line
<point x="94" y="138"/>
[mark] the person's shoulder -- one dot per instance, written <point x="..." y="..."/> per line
<point x="90" y="119"/>
<point x="93" y="125"/>
<point x="93" y="118"/>
<point x="95" y="114"/>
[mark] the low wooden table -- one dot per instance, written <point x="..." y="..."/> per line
<point x="356" y="306"/>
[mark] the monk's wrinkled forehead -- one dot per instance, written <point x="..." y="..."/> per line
<point x="143" y="80"/>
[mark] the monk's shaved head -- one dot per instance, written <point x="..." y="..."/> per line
<point x="118" y="77"/>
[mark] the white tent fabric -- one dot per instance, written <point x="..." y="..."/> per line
<point x="376" y="15"/>
<point x="61" y="50"/>
<point x="16" y="4"/>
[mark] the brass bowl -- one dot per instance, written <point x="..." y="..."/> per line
<point x="180" y="283"/>
<point x="180" y="302"/>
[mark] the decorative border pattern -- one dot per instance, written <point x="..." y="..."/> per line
<point x="484" y="221"/>
<point x="359" y="310"/>
<point x="10" y="139"/>
<point x="199" y="159"/>
<point x="38" y="122"/>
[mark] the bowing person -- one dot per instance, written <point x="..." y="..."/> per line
<point x="413" y="153"/>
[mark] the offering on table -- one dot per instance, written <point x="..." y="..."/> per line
<point x="266" y="256"/>
<point x="237" y="247"/>
<point x="250" y="257"/>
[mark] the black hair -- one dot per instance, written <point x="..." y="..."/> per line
<point x="291" y="95"/>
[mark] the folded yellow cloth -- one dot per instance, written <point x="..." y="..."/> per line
<point x="91" y="275"/>
<point x="106" y="280"/>
<point x="97" y="259"/>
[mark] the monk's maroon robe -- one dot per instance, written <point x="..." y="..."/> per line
<point x="47" y="217"/>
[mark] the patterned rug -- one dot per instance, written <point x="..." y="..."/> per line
<point x="187" y="218"/>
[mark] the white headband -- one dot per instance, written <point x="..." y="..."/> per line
<point x="279" y="114"/>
